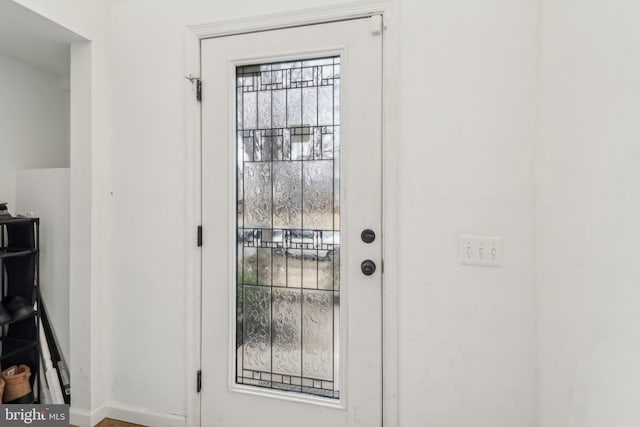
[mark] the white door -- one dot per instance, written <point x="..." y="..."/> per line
<point x="291" y="177"/>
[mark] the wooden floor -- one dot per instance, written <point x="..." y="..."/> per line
<point x="108" y="422"/>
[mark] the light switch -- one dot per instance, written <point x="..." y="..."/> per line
<point x="481" y="250"/>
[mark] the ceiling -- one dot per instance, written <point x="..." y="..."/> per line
<point x="30" y="38"/>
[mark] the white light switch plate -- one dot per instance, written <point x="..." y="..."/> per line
<point x="481" y="250"/>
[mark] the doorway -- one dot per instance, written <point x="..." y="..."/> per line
<point x="33" y="41"/>
<point x="291" y="213"/>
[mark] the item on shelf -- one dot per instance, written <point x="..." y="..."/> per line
<point x="45" y="393"/>
<point x="50" y="373"/>
<point x="4" y="315"/>
<point x="4" y="211"/>
<point x="17" y="388"/>
<point x="57" y="358"/>
<point x="18" y="307"/>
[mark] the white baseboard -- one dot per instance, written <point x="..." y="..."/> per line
<point x="79" y="417"/>
<point x="128" y="413"/>
<point x="84" y="418"/>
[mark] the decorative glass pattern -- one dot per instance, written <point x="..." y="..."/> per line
<point x="288" y="234"/>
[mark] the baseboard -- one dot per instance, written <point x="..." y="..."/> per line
<point x="79" y="417"/>
<point x="128" y="413"/>
<point x="84" y="418"/>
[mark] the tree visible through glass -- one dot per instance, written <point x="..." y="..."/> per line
<point x="288" y="226"/>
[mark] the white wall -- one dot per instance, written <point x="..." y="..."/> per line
<point x="467" y="334"/>
<point x="467" y="102"/>
<point x="33" y="126"/>
<point x="45" y="193"/>
<point x="588" y="213"/>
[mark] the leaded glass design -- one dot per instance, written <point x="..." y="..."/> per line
<point x="288" y="226"/>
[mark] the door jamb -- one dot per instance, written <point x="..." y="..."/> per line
<point x="193" y="137"/>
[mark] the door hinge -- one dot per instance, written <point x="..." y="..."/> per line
<point x="199" y="381"/>
<point x="199" y="238"/>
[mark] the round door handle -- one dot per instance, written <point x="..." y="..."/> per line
<point x="368" y="267"/>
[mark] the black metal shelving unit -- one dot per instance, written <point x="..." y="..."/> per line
<point x="20" y="276"/>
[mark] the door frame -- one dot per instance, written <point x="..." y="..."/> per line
<point x="193" y="139"/>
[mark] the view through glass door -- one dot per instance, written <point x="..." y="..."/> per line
<point x="288" y="226"/>
<point x="291" y="296"/>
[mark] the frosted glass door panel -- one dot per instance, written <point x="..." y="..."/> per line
<point x="288" y="204"/>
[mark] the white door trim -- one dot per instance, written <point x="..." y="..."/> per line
<point x="193" y="260"/>
<point x="294" y="18"/>
<point x="193" y="137"/>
